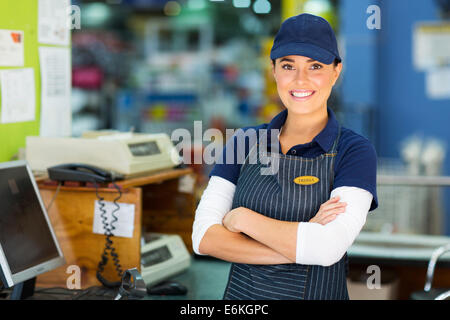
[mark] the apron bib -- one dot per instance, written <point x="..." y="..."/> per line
<point x="278" y="196"/>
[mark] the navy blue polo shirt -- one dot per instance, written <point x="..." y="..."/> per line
<point x="355" y="163"/>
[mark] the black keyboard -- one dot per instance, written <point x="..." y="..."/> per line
<point x="92" y="293"/>
<point x="96" y="293"/>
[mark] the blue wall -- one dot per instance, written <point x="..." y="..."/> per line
<point x="379" y="72"/>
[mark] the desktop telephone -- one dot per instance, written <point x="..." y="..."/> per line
<point x="87" y="173"/>
<point x="81" y="172"/>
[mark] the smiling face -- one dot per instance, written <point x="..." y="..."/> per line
<point x="304" y="84"/>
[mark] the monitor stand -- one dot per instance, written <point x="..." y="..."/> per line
<point x="23" y="290"/>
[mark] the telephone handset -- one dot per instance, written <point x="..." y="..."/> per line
<point x="81" y="172"/>
<point x="87" y="173"/>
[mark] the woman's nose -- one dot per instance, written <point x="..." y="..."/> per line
<point x="301" y="75"/>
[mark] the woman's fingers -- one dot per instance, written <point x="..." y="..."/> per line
<point x="329" y="210"/>
<point x="334" y="206"/>
<point x="332" y="209"/>
<point x="329" y="218"/>
<point x="326" y="219"/>
<point x="330" y="201"/>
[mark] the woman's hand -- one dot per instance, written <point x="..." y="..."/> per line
<point x="329" y="211"/>
<point x="231" y="219"/>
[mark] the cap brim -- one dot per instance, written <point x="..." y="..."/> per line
<point x="303" y="49"/>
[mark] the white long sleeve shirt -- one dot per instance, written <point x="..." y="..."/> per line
<point x="316" y="244"/>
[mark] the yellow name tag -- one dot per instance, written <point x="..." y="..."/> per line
<point x="306" y="180"/>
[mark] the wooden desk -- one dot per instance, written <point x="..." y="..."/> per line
<point x="166" y="208"/>
<point x="159" y="207"/>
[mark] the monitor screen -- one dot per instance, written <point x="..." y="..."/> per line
<point x="28" y="245"/>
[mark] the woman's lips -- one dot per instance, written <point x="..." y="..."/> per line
<point x="301" y="95"/>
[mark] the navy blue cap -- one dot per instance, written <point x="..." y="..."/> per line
<point x="306" y="35"/>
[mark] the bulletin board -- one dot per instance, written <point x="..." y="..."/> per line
<point x="22" y="16"/>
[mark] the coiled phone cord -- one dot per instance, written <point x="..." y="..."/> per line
<point x="108" y="242"/>
<point x="113" y="253"/>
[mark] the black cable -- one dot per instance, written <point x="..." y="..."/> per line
<point x="54" y="196"/>
<point x="108" y="241"/>
<point x="113" y="253"/>
<point x="108" y="232"/>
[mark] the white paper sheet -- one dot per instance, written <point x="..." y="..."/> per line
<point x="124" y="226"/>
<point x="437" y="83"/>
<point x="18" y="98"/>
<point x="53" y="22"/>
<point x="186" y="184"/>
<point x="11" y="48"/>
<point x="431" y="45"/>
<point x="56" y="85"/>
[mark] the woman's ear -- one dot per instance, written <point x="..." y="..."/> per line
<point x="273" y="70"/>
<point x="337" y="72"/>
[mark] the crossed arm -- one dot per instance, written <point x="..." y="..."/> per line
<point x="245" y="236"/>
<point x="211" y="237"/>
<point x="221" y="243"/>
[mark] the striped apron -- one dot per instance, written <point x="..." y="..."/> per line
<point x="277" y="196"/>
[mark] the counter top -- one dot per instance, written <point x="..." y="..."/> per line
<point x="207" y="277"/>
<point x="397" y="247"/>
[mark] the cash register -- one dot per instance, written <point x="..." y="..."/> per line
<point x="127" y="153"/>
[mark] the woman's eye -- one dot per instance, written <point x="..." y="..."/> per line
<point x="316" y="66"/>
<point x="287" y="67"/>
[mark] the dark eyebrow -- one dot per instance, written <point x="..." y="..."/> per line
<point x="286" y="59"/>
<point x="290" y="60"/>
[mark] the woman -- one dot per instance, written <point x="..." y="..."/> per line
<point x="287" y="233"/>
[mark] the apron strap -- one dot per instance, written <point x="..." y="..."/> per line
<point x="335" y="144"/>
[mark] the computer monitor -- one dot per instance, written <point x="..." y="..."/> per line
<point x="28" y="245"/>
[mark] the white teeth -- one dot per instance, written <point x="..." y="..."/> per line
<point x="302" y="94"/>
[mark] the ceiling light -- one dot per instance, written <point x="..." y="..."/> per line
<point x="241" y="3"/>
<point x="172" y="8"/>
<point x="262" y="6"/>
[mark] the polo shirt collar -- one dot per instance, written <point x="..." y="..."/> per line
<point x="324" y="139"/>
